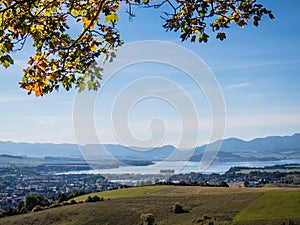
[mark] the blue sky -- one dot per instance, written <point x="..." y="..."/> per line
<point x="258" y="70"/>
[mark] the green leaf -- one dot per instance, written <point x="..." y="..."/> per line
<point x="81" y="87"/>
<point x="90" y="85"/>
<point x="193" y="38"/>
<point x="221" y="36"/>
<point x="6" y="46"/>
<point x="203" y="37"/>
<point x="6" y="61"/>
<point x="111" y="18"/>
<point x="6" y="64"/>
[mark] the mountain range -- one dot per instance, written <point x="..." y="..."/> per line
<point x="232" y="149"/>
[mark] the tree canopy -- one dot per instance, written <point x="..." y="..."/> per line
<point x="65" y="56"/>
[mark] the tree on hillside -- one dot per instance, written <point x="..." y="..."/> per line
<point x="33" y="200"/>
<point x="223" y="184"/>
<point x="65" y="56"/>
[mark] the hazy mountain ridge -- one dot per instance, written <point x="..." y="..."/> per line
<point x="263" y="149"/>
<point x="232" y="149"/>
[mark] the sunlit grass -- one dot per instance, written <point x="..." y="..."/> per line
<point x="125" y="193"/>
<point x="272" y="205"/>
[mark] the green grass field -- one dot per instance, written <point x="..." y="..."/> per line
<point x="126" y="193"/>
<point x="272" y="205"/>
<point x="205" y="204"/>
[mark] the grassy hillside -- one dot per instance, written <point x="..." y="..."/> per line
<point x="126" y="193"/>
<point x="205" y="204"/>
<point x="272" y="205"/>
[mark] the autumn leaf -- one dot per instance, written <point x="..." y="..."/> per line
<point x="37" y="91"/>
<point x="94" y="48"/>
<point x="87" y="23"/>
<point x="63" y="55"/>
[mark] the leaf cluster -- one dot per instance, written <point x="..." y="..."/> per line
<point x="69" y="35"/>
<point x="61" y="58"/>
<point x="195" y="18"/>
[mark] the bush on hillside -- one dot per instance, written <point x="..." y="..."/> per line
<point x="177" y="209"/>
<point x="147" y="219"/>
<point x="72" y="202"/>
<point x="95" y="198"/>
<point x="223" y="184"/>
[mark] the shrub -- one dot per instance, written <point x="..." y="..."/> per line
<point x="66" y="197"/>
<point x="199" y="220"/>
<point x="223" y="184"/>
<point x="55" y="205"/>
<point x="147" y="219"/>
<point x="88" y="199"/>
<point x="95" y="198"/>
<point x="2" y="213"/>
<point x="179" y="209"/>
<point x="73" y="202"/>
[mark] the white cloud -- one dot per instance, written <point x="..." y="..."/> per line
<point x="238" y="85"/>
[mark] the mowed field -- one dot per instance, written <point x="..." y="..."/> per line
<point x="205" y="205"/>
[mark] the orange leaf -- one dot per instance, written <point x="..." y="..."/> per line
<point x="28" y="88"/>
<point x="87" y="22"/>
<point x="37" y="90"/>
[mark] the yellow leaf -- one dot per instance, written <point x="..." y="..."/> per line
<point x="47" y="14"/>
<point x="37" y="56"/>
<point x="75" y="12"/>
<point x="94" y="48"/>
<point x="44" y="80"/>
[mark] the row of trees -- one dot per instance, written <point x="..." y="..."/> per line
<point x="195" y="183"/>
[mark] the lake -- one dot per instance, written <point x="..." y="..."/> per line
<point x="177" y="166"/>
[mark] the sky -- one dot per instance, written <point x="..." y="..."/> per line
<point x="256" y="68"/>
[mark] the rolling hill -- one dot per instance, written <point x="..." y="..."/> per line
<point x="205" y="205"/>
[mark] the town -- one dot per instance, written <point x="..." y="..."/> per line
<point x="18" y="182"/>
